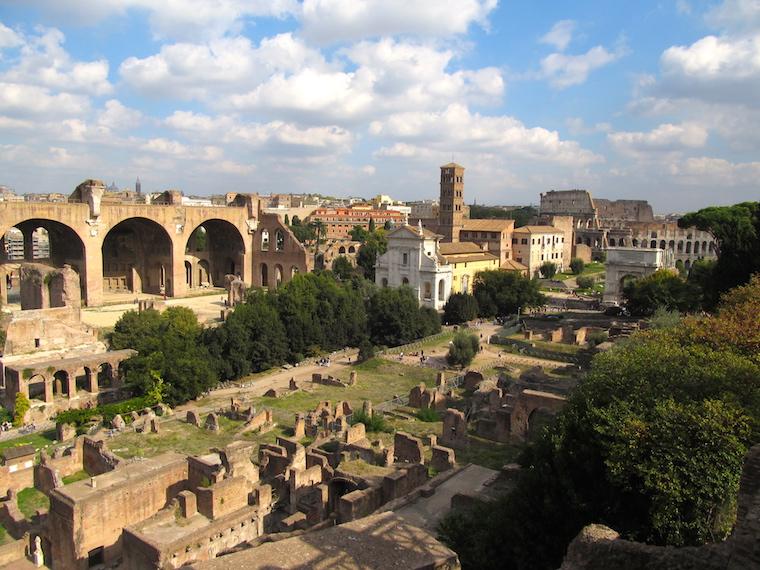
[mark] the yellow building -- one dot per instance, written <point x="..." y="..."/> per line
<point x="466" y="260"/>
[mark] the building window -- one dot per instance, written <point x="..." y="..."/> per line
<point x="385" y="281"/>
<point x="524" y="241"/>
<point x="405" y="281"/>
<point x="428" y="291"/>
<point x="404" y="259"/>
<point x="264" y="240"/>
<point x="279" y="243"/>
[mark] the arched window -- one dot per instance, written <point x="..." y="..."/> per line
<point x="351" y="249"/>
<point x="680" y="246"/>
<point x="688" y="247"/>
<point x="663" y="244"/>
<point x="277" y="275"/>
<point x="635" y="242"/>
<point x="279" y="243"/>
<point x="264" y="240"/>
<point x="405" y="281"/>
<point x="293" y="271"/>
<point x="653" y="244"/>
<point x="385" y="281"/>
<point x="612" y="242"/>
<point x="672" y="245"/>
<point x="428" y="290"/>
<point x="264" y="275"/>
<point x="341" y="250"/>
<point x="465" y="283"/>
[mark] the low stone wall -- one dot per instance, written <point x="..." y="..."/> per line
<point x="14" y="551"/>
<point x="97" y="458"/>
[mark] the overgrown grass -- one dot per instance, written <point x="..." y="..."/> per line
<point x="428" y="415"/>
<point x="593" y="268"/>
<point x="30" y="500"/>
<point x="74" y="477"/>
<point x="373" y="423"/>
<point x="38" y="440"/>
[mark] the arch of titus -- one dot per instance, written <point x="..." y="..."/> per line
<point x="163" y="247"/>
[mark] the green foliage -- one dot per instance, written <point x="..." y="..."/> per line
<point x="501" y="293"/>
<point x="20" y="408"/>
<point x="27" y="373"/>
<point x="80" y="417"/>
<point x="287" y="220"/>
<point x="30" y="500"/>
<point x="597" y="337"/>
<point x="5" y="416"/>
<point x="428" y="415"/>
<point x="388" y="225"/>
<point x="374" y="423"/>
<point x="599" y="256"/>
<point x="664" y="319"/>
<point x="371" y="225"/>
<point x="366" y="350"/>
<point x="577" y="265"/>
<point x="522" y="216"/>
<point x="585" y="281"/>
<point x="169" y="345"/>
<point x="342" y="267"/>
<point x="373" y="245"/>
<point x="662" y="289"/>
<point x="303" y="232"/>
<point x="397" y="318"/>
<point x="737" y="235"/>
<point x="358" y="233"/>
<point x="463" y="349"/>
<point x="460" y="308"/>
<point x="681" y="268"/>
<point x="548" y="269"/>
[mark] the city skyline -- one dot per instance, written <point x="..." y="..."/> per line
<point x="651" y="101"/>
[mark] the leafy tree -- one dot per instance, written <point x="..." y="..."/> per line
<point x="662" y="289"/>
<point x="303" y="232"/>
<point x="522" y="216"/>
<point x="366" y="350"/>
<point x="460" y="308"/>
<point x="548" y="269"/>
<point x="358" y="233"/>
<point x="664" y="319"/>
<point x="388" y="225"/>
<point x="681" y="268"/>
<point x="737" y="236"/>
<point x="371" y="225"/>
<point x="463" y="349"/>
<point x="600" y="256"/>
<point x="429" y="322"/>
<point x="21" y="407"/>
<point x="374" y="245"/>
<point x="501" y="293"/>
<point x="396" y="316"/>
<point x="702" y="276"/>
<point x="577" y="265"/>
<point x="342" y="267"/>
<point x="296" y="221"/>
<point x="585" y="281"/>
<point x="168" y="345"/>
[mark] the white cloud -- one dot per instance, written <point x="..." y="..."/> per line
<point x="560" y="35"/>
<point x="116" y="116"/>
<point x="329" y="21"/>
<point x="577" y="126"/>
<point x="18" y="100"/>
<point x="664" y="138"/>
<point x="717" y="172"/>
<point x="185" y="19"/>
<point x="201" y="71"/>
<point x="563" y="70"/>
<point x="683" y="7"/>
<point x="9" y="38"/>
<point x="43" y="61"/>
<point x="735" y="15"/>
<point x="458" y="129"/>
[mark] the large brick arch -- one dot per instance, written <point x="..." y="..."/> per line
<point x="224" y="254"/>
<point x="527" y="402"/>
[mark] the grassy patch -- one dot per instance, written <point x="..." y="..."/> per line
<point x="74" y="477"/>
<point x="30" y="500"/>
<point x="5" y="538"/>
<point x="487" y="453"/>
<point x="553" y="346"/>
<point x="38" y="440"/>
<point x="428" y="415"/>
<point x="428" y="342"/>
<point x="593" y="268"/>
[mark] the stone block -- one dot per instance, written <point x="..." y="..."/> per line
<point x="443" y="458"/>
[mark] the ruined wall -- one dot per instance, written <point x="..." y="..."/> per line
<point x="82" y="518"/>
<point x="624" y="210"/>
<point x="223" y="497"/>
<point x="97" y="458"/>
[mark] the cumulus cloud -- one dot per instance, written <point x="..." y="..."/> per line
<point x="457" y="128"/>
<point x="19" y="100"/>
<point x="564" y="70"/>
<point x="735" y="15"/>
<point x="329" y="21"/>
<point x="560" y="34"/>
<point x="664" y="138"/>
<point x="9" y="38"/>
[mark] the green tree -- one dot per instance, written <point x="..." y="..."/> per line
<point x="460" y="308"/>
<point x="358" y="233"/>
<point x="663" y="289"/>
<point x="577" y="265"/>
<point x="585" y="281"/>
<point x="296" y="221"/>
<point x="522" y="216"/>
<point x="287" y="220"/>
<point x="548" y="269"/>
<point x="21" y="407"/>
<point x="371" y="225"/>
<point x="388" y="225"/>
<point x="737" y="237"/>
<point x="395" y="316"/>
<point x="374" y="245"/>
<point x="169" y="345"/>
<point x="463" y="349"/>
<point x="501" y="293"/>
<point x="342" y="267"/>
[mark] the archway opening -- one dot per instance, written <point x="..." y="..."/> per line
<point x="61" y="383"/>
<point x="214" y="249"/>
<point x="105" y="375"/>
<point x="82" y="381"/>
<point x="36" y="386"/>
<point x="264" y="275"/>
<point x="136" y="255"/>
<point x="538" y="420"/>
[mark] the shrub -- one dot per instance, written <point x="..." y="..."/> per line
<point x="585" y="281"/>
<point x="460" y="308"/>
<point x="596" y="338"/>
<point x="577" y="265"/>
<point x="376" y="422"/>
<point x="548" y="269"/>
<point x="20" y="409"/>
<point x="107" y="411"/>
<point x="366" y="351"/>
<point x="463" y="349"/>
<point x="428" y="415"/>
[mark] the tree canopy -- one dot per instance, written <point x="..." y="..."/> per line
<point x="501" y="293"/>
<point x="463" y="349"/>
<point x="662" y="290"/>
<point x="460" y="308"/>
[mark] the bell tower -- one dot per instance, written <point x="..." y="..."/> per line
<point x="451" y="201"/>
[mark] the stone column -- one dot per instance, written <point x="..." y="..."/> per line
<point x="92" y="376"/>
<point x="91" y="274"/>
<point x="246" y="271"/>
<point x="176" y="273"/>
<point x="28" y="244"/>
<point x="72" y="383"/>
<point x="48" y="390"/>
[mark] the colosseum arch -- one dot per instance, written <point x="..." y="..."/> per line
<point x="64" y="247"/>
<point x="214" y="249"/>
<point x="137" y="258"/>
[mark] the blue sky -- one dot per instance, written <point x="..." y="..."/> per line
<point x="653" y="100"/>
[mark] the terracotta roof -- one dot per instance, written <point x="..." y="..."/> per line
<point x="452" y="165"/>
<point x="488" y="225"/>
<point x="538" y="230"/>
<point x="512" y="265"/>
<point x="482" y="256"/>
<point x="460" y="247"/>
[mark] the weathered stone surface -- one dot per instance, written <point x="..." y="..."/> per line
<point x="443" y="458"/>
<point x="65" y="432"/>
<point x="212" y="422"/>
<point x="118" y="422"/>
<point x="192" y="418"/>
<point x="154" y="425"/>
<point x="472" y="380"/>
<point x="407" y="448"/>
<point x="454" y="433"/>
<point x="367" y="408"/>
